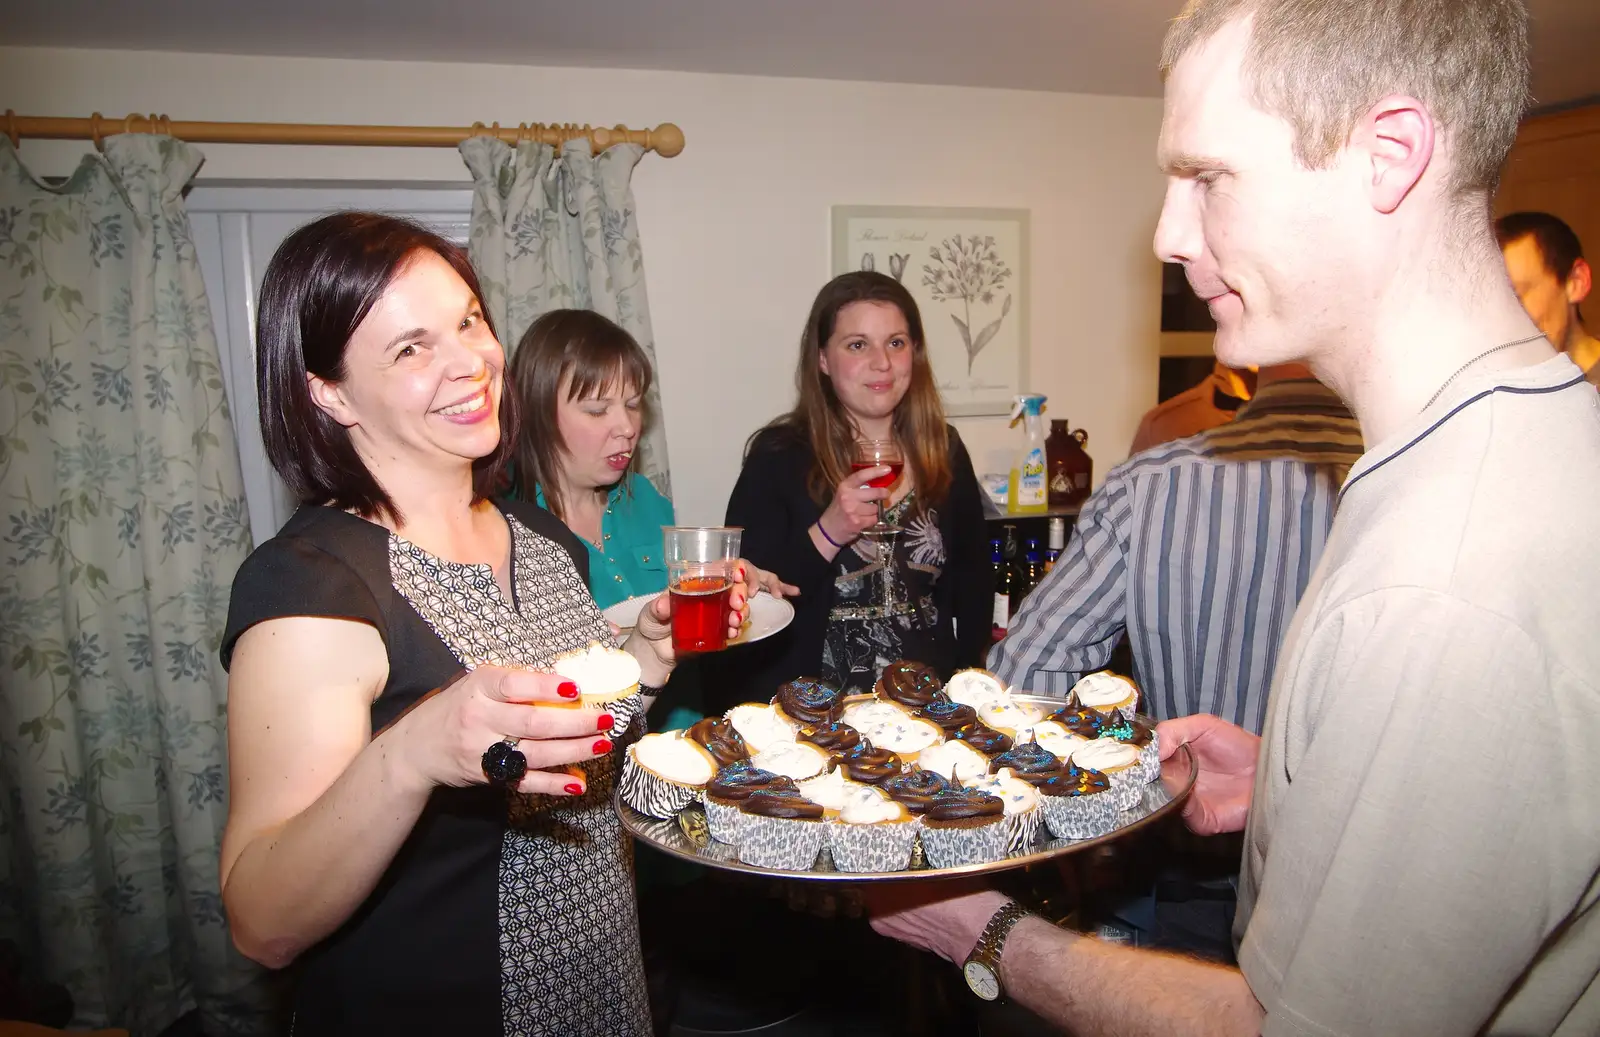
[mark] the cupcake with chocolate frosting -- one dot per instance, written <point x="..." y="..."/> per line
<point x="1142" y="737"/>
<point x="807" y="701"/>
<point x="868" y="763"/>
<point x="1078" y="803"/>
<point x="726" y="793"/>
<point x="1080" y="720"/>
<point x="916" y="789"/>
<point x="721" y="740"/>
<point x="911" y="684"/>
<point x="664" y="773"/>
<point x="950" y="716"/>
<point x="984" y="738"/>
<point x="782" y="830"/>
<point x="1030" y="761"/>
<point x="1023" y="816"/>
<point x="835" y="737"/>
<point x="964" y="826"/>
<point x="873" y="832"/>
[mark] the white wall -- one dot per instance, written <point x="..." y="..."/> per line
<point x="736" y="229"/>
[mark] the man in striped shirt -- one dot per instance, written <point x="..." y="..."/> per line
<point x="1199" y="549"/>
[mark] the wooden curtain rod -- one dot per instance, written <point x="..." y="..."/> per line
<point x="665" y="140"/>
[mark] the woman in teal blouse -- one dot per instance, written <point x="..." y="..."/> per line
<point x="581" y="382"/>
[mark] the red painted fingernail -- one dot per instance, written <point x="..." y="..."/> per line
<point x="574" y="789"/>
<point x="606" y="722"/>
<point x="741" y="574"/>
<point x="602" y="746"/>
<point x="567" y="690"/>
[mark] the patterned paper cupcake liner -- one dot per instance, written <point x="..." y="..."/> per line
<point x="1148" y="768"/>
<point x="1080" y="817"/>
<point x="956" y="847"/>
<point x="1127" y="787"/>
<point x="781" y="843"/>
<point x="1023" y="830"/>
<point x="885" y="846"/>
<point x="724" y="821"/>
<point x="651" y="794"/>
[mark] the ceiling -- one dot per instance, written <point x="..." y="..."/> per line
<point x="1088" y="46"/>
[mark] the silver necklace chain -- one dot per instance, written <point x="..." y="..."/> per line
<point x="1504" y="345"/>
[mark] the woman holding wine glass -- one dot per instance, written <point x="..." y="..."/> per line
<point x="863" y="465"/>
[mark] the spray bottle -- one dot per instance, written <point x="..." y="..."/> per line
<point x="1027" y="492"/>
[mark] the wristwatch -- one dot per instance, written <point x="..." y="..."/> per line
<point x="982" y="967"/>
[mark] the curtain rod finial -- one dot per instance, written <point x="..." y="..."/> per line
<point x="667" y="140"/>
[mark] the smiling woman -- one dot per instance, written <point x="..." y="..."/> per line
<point x="412" y="823"/>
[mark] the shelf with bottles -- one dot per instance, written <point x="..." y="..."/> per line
<point x="1020" y="564"/>
<point x="1070" y="511"/>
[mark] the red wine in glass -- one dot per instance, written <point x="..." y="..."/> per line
<point x="882" y="482"/>
<point x="700" y="613"/>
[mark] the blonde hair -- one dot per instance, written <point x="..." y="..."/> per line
<point x="1321" y="64"/>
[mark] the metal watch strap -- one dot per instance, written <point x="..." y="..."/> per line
<point x="992" y="941"/>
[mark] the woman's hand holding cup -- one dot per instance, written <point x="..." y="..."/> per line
<point x="855" y="504"/>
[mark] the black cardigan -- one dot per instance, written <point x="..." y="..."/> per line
<point x="773" y="505"/>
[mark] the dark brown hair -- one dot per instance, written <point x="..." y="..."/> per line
<point x="318" y="288"/>
<point x="820" y="419"/>
<point x="596" y="355"/>
<point x="1558" y="244"/>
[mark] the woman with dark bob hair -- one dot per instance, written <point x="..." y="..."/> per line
<point x="863" y="373"/>
<point x="420" y="815"/>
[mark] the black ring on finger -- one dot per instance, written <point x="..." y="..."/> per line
<point x="504" y="764"/>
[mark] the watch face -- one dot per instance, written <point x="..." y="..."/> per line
<point x="983" y="982"/>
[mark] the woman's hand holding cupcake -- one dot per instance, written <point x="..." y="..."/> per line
<point x="516" y="728"/>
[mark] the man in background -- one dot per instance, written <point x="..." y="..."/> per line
<point x="1547" y="268"/>
<point x="1199" y="550"/>
<point x="1215" y="401"/>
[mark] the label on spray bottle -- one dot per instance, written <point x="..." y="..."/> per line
<point x="1031" y="488"/>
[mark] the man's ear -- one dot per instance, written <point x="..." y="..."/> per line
<point x="1579" y="282"/>
<point x="1396" y="137"/>
<point x="328" y="396"/>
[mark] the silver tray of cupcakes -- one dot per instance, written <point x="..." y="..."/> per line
<point x="921" y="779"/>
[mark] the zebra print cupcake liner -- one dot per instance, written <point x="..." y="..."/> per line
<point x="1081" y="817"/>
<point x="781" y="843"/>
<point x="651" y="794"/>
<point x="885" y="846"/>
<point x="956" y="847"/>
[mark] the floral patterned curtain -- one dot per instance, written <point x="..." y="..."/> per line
<point x="553" y="232"/>
<point x="123" y="519"/>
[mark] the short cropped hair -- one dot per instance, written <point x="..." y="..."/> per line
<point x="320" y="285"/>
<point x="1321" y="64"/>
<point x="1558" y="245"/>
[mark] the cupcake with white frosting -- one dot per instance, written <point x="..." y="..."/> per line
<point x="872" y="832"/>
<point x="1107" y="692"/>
<point x="905" y="737"/>
<point x="829" y="789"/>
<point x="1117" y="761"/>
<point x="864" y="712"/>
<point x="760" y="725"/>
<point x="1052" y="736"/>
<point x="1022" y="813"/>
<point x="664" y="773"/>
<point x="1142" y="737"/>
<point x="975" y="688"/>
<point x="797" y="760"/>
<point x="954" y="760"/>
<point x="1009" y="716"/>
<point x="603" y="674"/>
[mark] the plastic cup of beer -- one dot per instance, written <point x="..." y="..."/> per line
<point x="700" y="564"/>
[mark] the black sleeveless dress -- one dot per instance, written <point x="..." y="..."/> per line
<point x="501" y="913"/>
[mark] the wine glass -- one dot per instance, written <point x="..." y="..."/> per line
<point x="881" y="453"/>
<point x="878" y="453"/>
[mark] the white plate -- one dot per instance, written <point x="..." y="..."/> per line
<point x="768" y="615"/>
